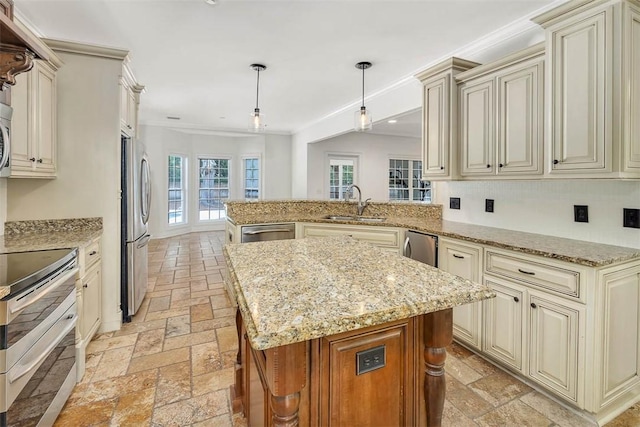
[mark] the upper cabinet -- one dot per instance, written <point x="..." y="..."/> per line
<point x="34" y="129"/>
<point x="593" y="90"/>
<point x="501" y="116"/>
<point x="129" y="100"/>
<point x="439" y="121"/>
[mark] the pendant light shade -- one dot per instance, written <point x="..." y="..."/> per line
<point x="362" y="118"/>
<point x="256" y="118"/>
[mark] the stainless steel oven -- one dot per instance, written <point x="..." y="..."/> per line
<point x="37" y="335"/>
<point x="5" y="131"/>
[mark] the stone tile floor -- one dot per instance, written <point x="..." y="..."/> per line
<point x="173" y="364"/>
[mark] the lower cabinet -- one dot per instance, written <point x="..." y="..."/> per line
<point x="386" y="238"/>
<point x="572" y="330"/>
<point x="89" y="300"/>
<point x="464" y="260"/>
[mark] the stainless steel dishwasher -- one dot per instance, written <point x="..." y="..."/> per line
<point x="262" y="233"/>
<point x="421" y="247"/>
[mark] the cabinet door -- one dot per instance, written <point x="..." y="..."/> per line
<point x="503" y="322"/>
<point x="464" y="260"/>
<point x="348" y="389"/>
<point x="478" y="128"/>
<point x="520" y="119"/>
<point x="554" y="343"/>
<point x="91" y="302"/>
<point x="436" y="122"/>
<point x="132" y="112"/>
<point x="124" y="104"/>
<point x="632" y="138"/>
<point x="45" y="102"/>
<point x="581" y="95"/>
<point x="22" y="123"/>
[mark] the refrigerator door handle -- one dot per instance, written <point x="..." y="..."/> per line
<point x="406" y="250"/>
<point x="144" y="240"/>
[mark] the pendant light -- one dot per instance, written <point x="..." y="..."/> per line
<point x="362" y="117"/>
<point x="256" y="119"/>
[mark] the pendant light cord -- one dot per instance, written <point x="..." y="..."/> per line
<point x="257" y="88"/>
<point x="363" y="86"/>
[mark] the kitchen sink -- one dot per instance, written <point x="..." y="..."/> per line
<point x="355" y="218"/>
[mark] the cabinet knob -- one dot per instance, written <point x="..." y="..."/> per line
<point x="86" y="285"/>
<point x="39" y="160"/>
<point x="501" y="165"/>
<point x="441" y="167"/>
<point x="533" y="305"/>
<point x="33" y="159"/>
<point x="488" y="166"/>
<point x="555" y="162"/>
<point x="516" y="299"/>
<point x="92" y="253"/>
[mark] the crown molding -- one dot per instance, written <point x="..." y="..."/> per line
<point x="87" y="49"/>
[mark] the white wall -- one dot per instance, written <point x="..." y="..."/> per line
<point x="273" y="150"/>
<point x="546" y="207"/>
<point x="88" y="182"/>
<point x="373" y="151"/>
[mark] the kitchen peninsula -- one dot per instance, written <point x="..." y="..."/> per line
<point x="336" y="331"/>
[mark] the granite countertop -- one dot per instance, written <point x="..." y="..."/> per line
<point x="325" y="286"/>
<point x="563" y="249"/>
<point x="37" y="235"/>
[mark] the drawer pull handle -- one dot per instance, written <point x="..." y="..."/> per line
<point x="530" y="273"/>
<point x="516" y="299"/>
<point x="32" y="159"/>
<point x="86" y="285"/>
<point x="92" y="253"/>
<point x="458" y="256"/>
<point x="533" y="305"/>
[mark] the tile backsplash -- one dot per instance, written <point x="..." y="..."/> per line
<point x="546" y="207"/>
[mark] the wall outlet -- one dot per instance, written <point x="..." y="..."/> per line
<point x="631" y="218"/>
<point x="370" y="360"/>
<point x="581" y="213"/>
<point x="454" y="202"/>
<point x="488" y="205"/>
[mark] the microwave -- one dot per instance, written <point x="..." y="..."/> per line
<point x="5" y="131"/>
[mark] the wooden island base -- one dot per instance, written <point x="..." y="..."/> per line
<point x="332" y="381"/>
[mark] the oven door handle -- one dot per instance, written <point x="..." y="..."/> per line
<point x="14" y="308"/>
<point x="23" y="369"/>
<point x="270" y="230"/>
<point x="6" y="146"/>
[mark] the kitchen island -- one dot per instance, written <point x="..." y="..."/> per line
<point x="335" y="331"/>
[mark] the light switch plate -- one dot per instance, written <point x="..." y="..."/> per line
<point x="454" y="202"/>
<point x="631" y="218"/>
<point x="488" y="205"/>
<point x="581" y="213"/>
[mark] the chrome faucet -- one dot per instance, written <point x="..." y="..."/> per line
<point x="361" y="205"/>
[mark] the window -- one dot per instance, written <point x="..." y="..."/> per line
<point x="213" y="188"/>
<point x="177" y="189"/>
<point x="405" y="182"/>
<point x="251" y="178"/>
<point x="340" y="177"/>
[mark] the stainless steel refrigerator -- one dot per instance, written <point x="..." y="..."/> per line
<point x="136" y="202"/>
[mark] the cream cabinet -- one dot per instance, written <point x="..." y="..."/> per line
<point x="129" y="102"/>
<point x="592" y="92"/>
<point x="89" y="299"/>
<point x="464" y="260"/>
<point x="439" y="120"/>
<point x="504" y="323"/>
<point x="33" y="141"/>
<point x="501" y="116"/>
<point x="386" y="238"/>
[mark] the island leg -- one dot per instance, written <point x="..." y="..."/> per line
<point x="286" y="377"/>
<point x="237" y="391"/>
<point x="438" y="334"/>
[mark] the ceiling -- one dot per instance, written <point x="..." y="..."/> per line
<point x="193" y="58"/>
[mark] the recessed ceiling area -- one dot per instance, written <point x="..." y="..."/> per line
<point x="194" y="58"/>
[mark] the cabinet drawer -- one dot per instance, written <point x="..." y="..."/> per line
<point x="560" y="280"/>
<point x="91" y="254"/>
<point x="380" y="236"/>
